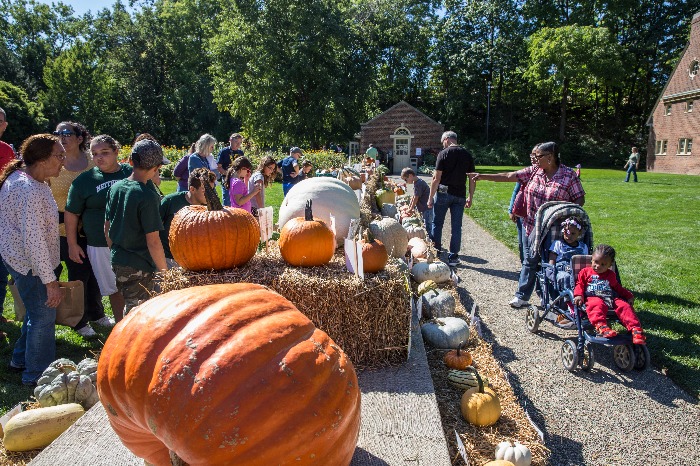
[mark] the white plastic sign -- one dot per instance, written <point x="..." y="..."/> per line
<point x="332" y="225"/>
<point x="265" y="221"/>
<point x="353" y="258"/>
<point x="462" y="450"/>
<point x="8" y="415"/>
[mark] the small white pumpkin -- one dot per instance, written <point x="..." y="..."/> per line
<point x="438" y="303"/>
<point x="389" y="210"/>
<point x="418" y="247"/>
<point x="516" y="453"/>
<point x="437" y="271"/>
<point x="415" y="231"/>
<point x="447" y="332"/>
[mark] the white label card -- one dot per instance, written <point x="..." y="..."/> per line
<point x="360" y="263"/>
<point x="332" y="225"/>
<point x="419" y="307"/>
<point x="265" y="222"/>
<point x="8" y="415"/>
<point x="462" y="450"/>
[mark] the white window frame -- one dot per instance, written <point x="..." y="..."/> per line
<point x="685" y="146"/>
<point x="667" y="109"/>
<point x="689" y="106"/>
<point x="661" y="147"/>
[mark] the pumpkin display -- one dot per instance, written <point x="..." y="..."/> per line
<point x="330" y="196"/>
<point x="438" y="303"/>
<point x="458" y="358"/>
<point x="213" y="237"/>
<point x="389" y="232"/>
<point x="228" y="374"/>
<point x="389" y="210"/>
<point x="464" y="380"/>
<point x="415" y="231"/>
<point x="306" y="241"/>
<point x="63" y="382"/>
<point x="480" y="405"/>
<point x="385" y="196"/>
<point x="410" y="220"/>
<point x="374" y="255"/>
<point x="437" y="271"/>
<point x="516" y="453"/>
<point x="402" y="200"/>
<point x="418" y="247"/>
<point x="446" y="333"/>
<point x="37" y="428"/>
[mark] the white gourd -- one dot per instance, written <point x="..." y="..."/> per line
<point x="391" y="234"/>
<point x="418" y="247"/>
<point x="437" y="271"/>
<point x="516" y="453"/>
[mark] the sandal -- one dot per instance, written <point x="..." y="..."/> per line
<point x="638" y="337"/>
<point x="605" y="332"/>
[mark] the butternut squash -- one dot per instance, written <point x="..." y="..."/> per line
<point x="39" y="427"/>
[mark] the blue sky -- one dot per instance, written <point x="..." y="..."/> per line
<point x="82" y="6"/>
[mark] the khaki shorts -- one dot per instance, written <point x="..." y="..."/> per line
<point x="136" y="285"/>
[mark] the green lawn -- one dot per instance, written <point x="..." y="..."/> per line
<point x="653" y="226"/>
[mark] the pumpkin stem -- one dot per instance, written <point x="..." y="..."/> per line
<point x="213" y="201"/>
<point x="459" y="348"/>
<point x="176" y="460"/>
<point x="368" y="236"/>
<point x="479" y="380"/>
<point x="308" y="214"/>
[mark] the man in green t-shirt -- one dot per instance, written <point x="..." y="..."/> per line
<point x="172" y="203"/>
<point x="132" y="226"/>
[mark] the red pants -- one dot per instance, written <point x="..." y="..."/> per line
<point x="597" y="311"/>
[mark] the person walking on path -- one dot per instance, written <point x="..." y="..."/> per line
<point x="290" y="169"/>
<point x="448" y="192"/>
<point x="547" y="179"/>
<point x="223" y="162"/>
<point x="632" y="164"/>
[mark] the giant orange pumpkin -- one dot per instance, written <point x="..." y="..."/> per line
<point x="213" y="237"/>
<point x="228" y="374"/>
<point x="306" y="241"/>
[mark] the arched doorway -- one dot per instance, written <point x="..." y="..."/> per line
<point x="402" y="148"/>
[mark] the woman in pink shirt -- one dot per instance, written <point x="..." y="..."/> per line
<point x="237" y="178"/>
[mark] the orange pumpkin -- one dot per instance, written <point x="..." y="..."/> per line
<point x="306" y="241"/>
<point x="399" y="191"/>
<point x="213" y="237"/>
<point x="458" y="359"/>
<point x="228" y="374"/>
<point x="374" y="255"/>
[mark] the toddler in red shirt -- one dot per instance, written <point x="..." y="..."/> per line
<point x="597" y="285"/>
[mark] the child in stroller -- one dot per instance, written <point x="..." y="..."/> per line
<point x="562" y="250"/>
<point x="598" y="286"/>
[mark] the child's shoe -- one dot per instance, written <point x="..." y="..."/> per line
<point x="605" y="332"/>
<point x="638" y="337"/>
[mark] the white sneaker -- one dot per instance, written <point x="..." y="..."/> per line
<point x="86" y="332"/>
<point x="105" y="321"/>
<point x="517" y="302"/>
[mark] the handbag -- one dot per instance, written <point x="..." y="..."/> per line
<point x="69" y="312"/>
<point x="519" y="209"/>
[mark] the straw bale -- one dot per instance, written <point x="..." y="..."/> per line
<point x="369" y="319"/>
<point x="480" y="442"/>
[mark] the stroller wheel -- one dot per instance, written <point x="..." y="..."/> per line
<point x="532" y="319"/>
<point x="641" y="354"/>
<point x="569" y="355"/>
<point x="624" y="357"/>
<point x="588" y="358"/>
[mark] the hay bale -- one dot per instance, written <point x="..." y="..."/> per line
<point x="369" y="319"/>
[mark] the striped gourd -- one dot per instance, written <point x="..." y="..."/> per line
<point x="464" y="380"/>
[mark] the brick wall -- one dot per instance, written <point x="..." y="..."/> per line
<point x="680" y="89"/>
<point x="425" y="131"/>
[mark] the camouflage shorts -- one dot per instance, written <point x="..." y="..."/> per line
<point x="135" y="285"/>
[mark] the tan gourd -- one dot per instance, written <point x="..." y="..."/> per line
<point x="39" y="427"/>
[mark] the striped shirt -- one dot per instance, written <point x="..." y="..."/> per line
<point x="563" y="186"/>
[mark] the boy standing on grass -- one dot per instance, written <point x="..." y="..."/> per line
<point x="132" y="226"/>
<point x="419" y="201"/>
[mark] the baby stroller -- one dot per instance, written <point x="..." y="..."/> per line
<point x="557" y="298"/>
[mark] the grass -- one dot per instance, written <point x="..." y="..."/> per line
<point x="653" y="227"/>
<point x="68" y="343"/>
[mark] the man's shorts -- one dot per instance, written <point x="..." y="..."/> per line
<point x="102" y="268"/>
<point x="134" y="284"/>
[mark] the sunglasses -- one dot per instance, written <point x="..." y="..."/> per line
<point x="539" y="156"/>
<point x="64" y="133"/>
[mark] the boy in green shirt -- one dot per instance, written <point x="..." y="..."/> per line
<point x="132" y="226"/>
<point x="172" y="203"/>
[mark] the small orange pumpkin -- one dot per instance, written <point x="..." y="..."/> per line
<point x="306" y="241"/>
<point x="399" y="191"/>
<point x="458" y="359"/>
<point x="374" y="255"/>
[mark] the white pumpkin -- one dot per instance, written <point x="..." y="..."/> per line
<point x="516" y="453"/>
<point x="415" y="231"/>
<point x="329" y="196"/>
<point x="437" y="271"/>
<point x="389" y="210"/>
<point x="448" y="332"/>
<point x="391" y="234"/>
<point x="418" y="247"/>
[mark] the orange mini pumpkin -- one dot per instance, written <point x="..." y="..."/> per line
<point x="306" y="241"/>
<point x="458" y="359"/>
<point x="374" y="255"/>
<point x="228" y="374"/>
<point x="212" y="236"/>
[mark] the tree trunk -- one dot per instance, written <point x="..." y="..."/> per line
<point x="562" y="121"/>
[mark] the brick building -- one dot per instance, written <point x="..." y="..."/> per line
<point x="675" y="123"/>
<point x="405" y="131"/>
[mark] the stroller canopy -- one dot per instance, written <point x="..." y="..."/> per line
<point x="549" y="217"/>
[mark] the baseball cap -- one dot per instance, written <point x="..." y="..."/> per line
<point x="297" y="150"/>
<point x="148" y="154"/>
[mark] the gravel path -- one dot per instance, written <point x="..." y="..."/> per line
<point x="605" y="417"/>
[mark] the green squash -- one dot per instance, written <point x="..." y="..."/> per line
<point x="464" y="380"/>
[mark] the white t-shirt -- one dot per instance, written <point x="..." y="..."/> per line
<point x="257" y="176"/>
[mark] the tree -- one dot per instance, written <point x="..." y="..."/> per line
<point x="25" y="117"/>
<point x="572" y="57"/>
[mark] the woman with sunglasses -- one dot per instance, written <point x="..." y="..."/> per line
<point x="236" y="182"/>
<point x="547" y="179"/>
<point x="263" y="177"/>
<point x="29" y="246"/>
<point x="76" y="142"/>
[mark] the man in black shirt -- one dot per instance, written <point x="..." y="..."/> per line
<point x="448" y="192"/>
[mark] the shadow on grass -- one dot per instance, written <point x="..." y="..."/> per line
<point x="664" y="299"/>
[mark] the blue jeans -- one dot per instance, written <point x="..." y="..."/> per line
<point x="526" y="282"/>
<point x="225" y="196"/>
<point x="455" y="204"/>
<point x="631" y="169"/>
<point x="519" y="226"/>
<point x="286" y="187"/>
<point x="36" y="347"/>
<point x="428" y="217"/>
<point x="3" y="284"/>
